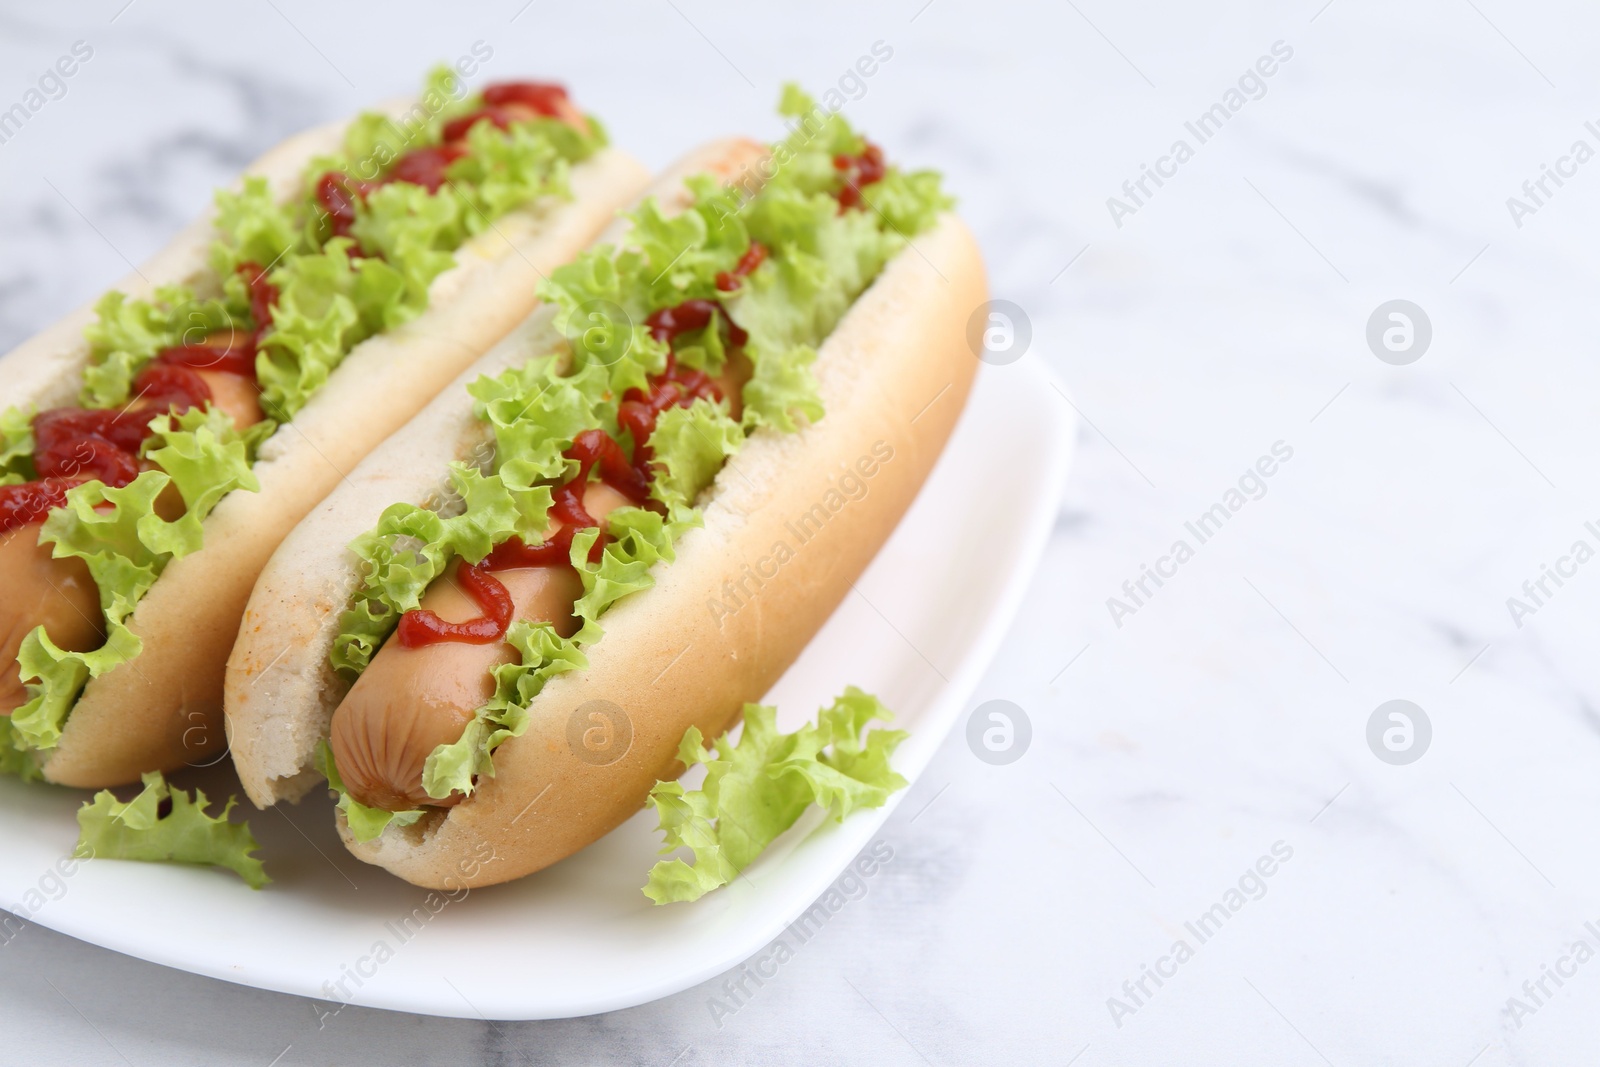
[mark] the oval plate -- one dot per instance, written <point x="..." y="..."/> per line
<point x="919" y="631"/>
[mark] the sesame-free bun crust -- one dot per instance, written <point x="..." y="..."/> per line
<point x="894" y="376"/>
<point x="280" y="689"/>
<point x="163" y="709"/>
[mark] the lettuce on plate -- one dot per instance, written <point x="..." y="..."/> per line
<point x="758" y="787"/>
<point x="166" y="825"/>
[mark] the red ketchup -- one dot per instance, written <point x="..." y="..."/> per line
<point x="32" y="501"/>
<point x="76" y="445"/>
<point x="504" y="103"/>
<point x="590" y="448"/>
<point x="547" y="98"/>
<point x="420" y="627"/>
<point x="674" y="386"/>
<point x="426" y="166"/>
<point x="729" y="280"/>
<point x="423" y="627"/>
<point x="665" y="325"/>
<point x="861" y="170"/>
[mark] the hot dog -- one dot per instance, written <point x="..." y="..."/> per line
<point x="157" y="445"/>
<point x="617" y="529"/>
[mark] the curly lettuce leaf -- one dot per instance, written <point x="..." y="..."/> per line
<point x="534" y="414"/>
<point x="408" y="549"/>
<point x="253" y="226"/>
<point x="757" y="788"/>
<point x="206" y="459"/>
<point x="413" y="231"/>
<point x="127" y="334"/>
<point x="16" y="757"/>
<point x="139" y="830"/>
<point x="507" y="169"/>
<point x="16" y="445"/>
<point x="690" y="446"/>
<point x="541" y="655"/>
<point x="664" y="261"/>
<point x="315" y="323"/>
<point x="639" y="540"/>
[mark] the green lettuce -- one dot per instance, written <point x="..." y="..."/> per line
<point x="365" y="823"/>
<point x="505" y="169"/>
<point x="665" y="261"/>
<point x="16" y="445"/>
<point x="689" y="447"/>
<point x="126" y="545"/>
<point x="409" y="548"/>
<point x="16" y="758"/>
<point x="253" y="226"/>
<point x="184" y="833"/>
<point x="326" y="303"/>
<point x="639" y="540"/>
<point x="331" y="300"/>
<point x="541" y="655"/>
<point x="127" y="334"/>
<point x="757" y="788"/>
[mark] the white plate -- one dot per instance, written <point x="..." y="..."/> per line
<point x="579" y="938"/>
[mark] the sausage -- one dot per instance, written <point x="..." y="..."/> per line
<point x="57" y="593"/>
<point x="235" y="395"/>
<point x="410" y="701"/>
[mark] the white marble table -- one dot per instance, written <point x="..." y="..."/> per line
<point x="1177" y="745"/>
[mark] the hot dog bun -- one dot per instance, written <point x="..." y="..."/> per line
<point x="896" y="371"/>
<point x="281" y="691"/>
<point x="894" y="376"/>
<point x="163" y="709"/>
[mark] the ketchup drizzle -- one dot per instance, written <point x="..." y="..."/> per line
<point x="547" y="98"/>
<point x="420" y="626"/>
<point x="637" y="414"/>
<point x="730" y="280"/>
<point x="859" y="170"/>
<point x="32" y="501"/>
<point x="590" y="448"/>
<point x="423" y="627"/>
<point x="665" y="325"/>
<point x="673" y="387"/>
<point x="504" y="103"/>
<point x="76" y="445"/>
